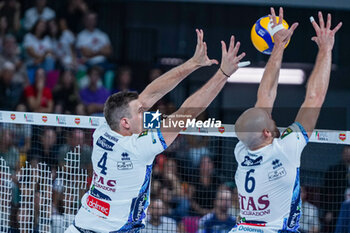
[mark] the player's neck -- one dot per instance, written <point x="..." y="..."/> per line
<point x="265" y="143"/>
<point x="124" y="132"/>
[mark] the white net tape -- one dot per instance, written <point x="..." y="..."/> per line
<point x="5" y="195"/>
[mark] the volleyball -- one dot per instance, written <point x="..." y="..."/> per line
<point x="261" y="36"/>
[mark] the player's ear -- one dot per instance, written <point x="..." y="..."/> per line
<point x="267" y="133"/>
<point x="125" y="123"/>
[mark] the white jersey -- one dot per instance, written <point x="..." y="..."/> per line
<point x="268" y="185"/>
<point x="120" y="190"/>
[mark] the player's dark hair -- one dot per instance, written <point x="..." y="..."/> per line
<point x="117" y="107"/>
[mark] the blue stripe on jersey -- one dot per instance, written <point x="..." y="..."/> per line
<point x="161" y="139"/>
<point x="292" y="223"/>
<point x="263" y="33"/>
<point x="139" y="205"/>
<point x="303" y="131"/>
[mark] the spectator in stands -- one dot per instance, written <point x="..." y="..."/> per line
<point x="234" y="209"/>
<point x="179" y="198"/>
<point x="157" y="222"/>
<point x="335" y="186"/>
<point x="10" y="91"/>
<point x="218" y="221"/>
<point x="62" y="41"/>
<point x="343" y="223"/>
<point x="11" y="10"/>
<point x="46" y="149"/>
<point x="7" y="149"/>
<point x="94" y="97"/>
<point x="39" y="97"/>
<point x="73" y="14"/>
<point x="205" y="188"/>
<point x="309" y="220"/>
<point x="66" y="95"/>
<point x="76" y="138"/>
<point x="93" y="44"/>
<point x="39" y="11"/>
<point x="39" y="47"/>
<point x="123" y="81"/>
<point x="10" y="53"/>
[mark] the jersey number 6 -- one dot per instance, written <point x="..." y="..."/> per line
<point x="249" y="180"/>
<point x="102" y="164"/>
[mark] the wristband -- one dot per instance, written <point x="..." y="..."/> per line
<point x="224" y="73"/>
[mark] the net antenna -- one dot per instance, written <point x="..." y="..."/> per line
<point x="5" y="195"/>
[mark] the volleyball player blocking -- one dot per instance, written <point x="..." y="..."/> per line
<point x="267" y="176"/>
<point x="123" y="154"/>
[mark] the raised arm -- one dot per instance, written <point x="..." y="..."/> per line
<point x="268" y="86"/>
<point x="318" y="82"/>
<point x="200" y="100"/>
<point x="168" y="81"/>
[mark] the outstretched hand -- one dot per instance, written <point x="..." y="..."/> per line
<point x="200" y="56"/>
<point x="230" y="60"/>
<point x="282" y="36"/>
<point x="324" y="35"/>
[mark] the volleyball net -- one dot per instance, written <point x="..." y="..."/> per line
<point x="45" y="168"/>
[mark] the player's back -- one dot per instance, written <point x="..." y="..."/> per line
<point x="119" y="194"/>
<point x="268" y="182"/>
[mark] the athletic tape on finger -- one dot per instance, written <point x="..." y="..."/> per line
<point x="312" y="19"/>
<point x="243" y="64"/>
<point x="274" y="30"/>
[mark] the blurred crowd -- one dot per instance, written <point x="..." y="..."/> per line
<point x="59" y="62"/>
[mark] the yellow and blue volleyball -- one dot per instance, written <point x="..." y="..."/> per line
<point x="261" y="37"/>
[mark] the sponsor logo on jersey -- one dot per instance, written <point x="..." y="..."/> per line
<point x="98" y="205"/>
<point x="13" y="116"/>
<point x="95" y="193"/>
<point x="342" y="136"/>
<point x="250" y="229"/>
<point x="29" y="117"/>
<point x="104" y="144"/>
<point x="248" y="162"/>
<point x="254" y="206"/>
<point x="61" y="120"/>
<point x="276" y="163"/>
<point x="143" y="133"/>
<point x="94" y="121"/>
<point x="151" y="120"/>
<point x="101" y="183"/>
<point x="107" y="135"/>
<point x="276" y="174"/>
<point x="125" y="165"/>
<point x="286" y="133"/>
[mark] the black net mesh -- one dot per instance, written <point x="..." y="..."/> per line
<point x="192" y="190"/>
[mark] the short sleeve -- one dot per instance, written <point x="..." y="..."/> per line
<point x="147" y="144"/>
<point x="293" y="140"/>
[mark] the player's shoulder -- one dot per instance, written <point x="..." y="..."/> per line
<point x="294" y="131"/>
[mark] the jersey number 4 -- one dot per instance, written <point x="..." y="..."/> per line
<point x="249" y="183"/>
<point x="102" y="164"/>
